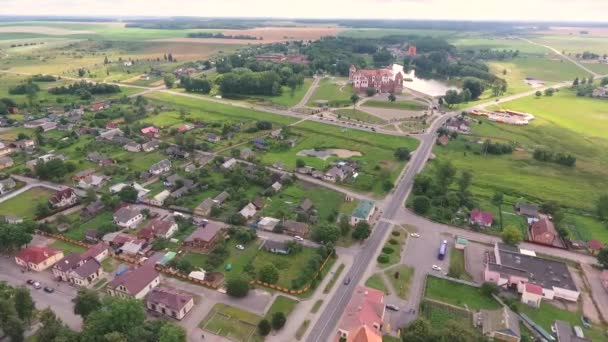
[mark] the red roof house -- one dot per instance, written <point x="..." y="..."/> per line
<point x="184" y="128"/>
<point x="63" y="198"/>
<point x="543" y="231"/>
<point x="365" y="308"/>
<point x="38" y="258"/>
<point x="152" y="131"/>
<point x="595" y="246"/>
<point x="481" y="218"/>
<point x="443" y="140"/>
<point x="112" y="124"/>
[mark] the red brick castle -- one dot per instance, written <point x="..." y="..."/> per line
<point x="383" y="80"/>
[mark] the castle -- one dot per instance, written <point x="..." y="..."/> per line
<point x="383" y="80"/>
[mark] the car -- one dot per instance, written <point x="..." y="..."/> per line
<point x="298" y="238"/>
<point x="37" y="285"/>
<point x="392" y="307"/>
<point x="49" y="289"/>
<point x="586" y="322"/>
<point x="346" y="281"/>
<point x="415" y="235"/>
<point x="29" y="282"/>
<point x="436" y="268"/>
<point x="240" y="247"/>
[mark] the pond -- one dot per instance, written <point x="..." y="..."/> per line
<point x="324" y="154"/>
<point x="428" y="87"/>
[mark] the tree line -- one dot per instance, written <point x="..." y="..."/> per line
<point x="79" y="87"/>
<point x="552" y="157"/>
<point x="221" y="36"/>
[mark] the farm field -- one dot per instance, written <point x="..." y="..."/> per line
<point x="24" y="204"/>
<point x="476" y="42"/>
<point x="575" y="44"/>
<point x="337" y="95"/>
<point x="381" y="32"/>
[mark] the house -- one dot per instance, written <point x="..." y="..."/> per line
<point x="295" y="228"/>
<point x="135" y="283"/>
<point x="96" y="157"/>
<point x="184" y="128"/>
<point x="247" y="153"/>
<point x="31" y="164"/>
<point x="92" y="181"/>
<point x="595" y="246"/>
<point x="363" y="212"/>
<point x="7" y="185"/>
<point x="111" y="124"/>
<point x="160" y="167"/>
<point x="100" y="251"/>
<point x="174" y="179"/>
<point x="118" y="239"/>
<point x="12" y="219"/>
<point x="305" y="170"/>
<point x="335" y="174"/>
<point x="110" y="134"/>
<point x="205" y="237"/>
<point x="78" y="270"/>
<point x="276" y="247"/>
<point x="277" y="134"/>
<point x="221" y="198"/>
<point x="500" y="324"/>
<point x="276" y="186"/>
<point x="99" y="106"/>
<point x="177" y="152"/>
<point x="317" y="174"/>
<point x="38" y="258"/>
<point x="133" y="147"/>
<point x="248" y="211"/>
<point x="170" y="302"/>
<point x="65" y="265"/>
<point x="127" y="218"/>
<point x="601" y="92"/>
<point x="160" y="198"/>
<point x="278" y="165"/>
<point x="508" y="267"/>
<point x="543" y="231"/>
<point x="481" y="218"/>
<point x="26" y="145"/>
<point x="83" y="174"/>
<point x="258" y="202"/>
<point x="260" y="144"/>
<point x="133" y="247"/>
<point x="363" y="333"/>
<point x="458" y="125"/>
<point x="565" y="333"/>
<point x="63" y="198"/>
<point x="443" y="140"/>
<point x="91" y="235"/>
<point x="141" y="191"/>
<point x="6" y="162"/>
<point x="532" y="295"/>
<point x="527" y="210"/>
<point x="365" y="308"/>
<point x="92" y="209"/>
<point x="306" y="205"/>
<point x="150" y="145"/>
<point x="150" y="131"/>
<point x="163" y="228"/>
<point x="229" y="164"/>
<point x="268" y="223"/>
<point x="213" y="138"/>
<point x="382" y="80"/>
<point x="204" y="209"/>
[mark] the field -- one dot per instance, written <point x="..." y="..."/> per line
<point x="575" y="44"/>
<point x="231" y="322"/>
<point x="24" y="204"/>
<point x="458" y="294"/>
<point x="358" y="115"/>
<point x="281" y="304"/>
<point x="289" y="265"/>
<point x="288" y="98"/>
<point x="404" y="105"/>
<point x="401" y="284"/>
<point x="378" y="33"/>
<point x="457" y="264"/>
<point x="333" y="90"/>
<point x="377" y="282"/>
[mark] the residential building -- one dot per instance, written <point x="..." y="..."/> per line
<point x="443" y="140"/>
<point x="150" y="131"/>
<point x="258" y="202"/>
<point x="63" y="198"/>
<point x="366" y="307"/>
<point x="212" y="137"/>
<point x="92" y="181"/>
<point x="335" y="174"/>
<point x="204" y="209"/>
<point x="268" y="223"/>
<point x="91" y="235"/>
<point x="306" y="205"/>
<point x="150" y="145"/>
<point x="83" y="174"/>
<point x="500" y="324"/>
<point x="565" y="333"/>
<point x="127" y="218"/>
<point x="7" y="185"/>
<point x="92" y="209"/>
<point x="295" y="228"/>
<point x="594" y="246"/>
<point x="160" y="167"/>
<point x="133" y="248"/>
<point x="229" y="164"/>
<point x="6" y="162"/>
<point x="481" y="218"/>
<point x="532" y="295"/>
<point x="527" y="210"/>
<point x="135" y="283"/>
<point x="141" y="191"/>
<point x="163" y="228"/>
<point x="100" y="251"/>
<point x="78" y="270"/>
<point x="159" y="199"/>
<point x="221" y="198"/>
<point x="170" y="302"/>
<point x="246" y="153"/>
<point x="364" y="333"/>
<point x="206" y="237"/>
<point x="382" y="80"/>
<point x="38" y="258"/>
<point x="133" y="146"/>
<point x="458" y="125"/>
<point x="363" y="212"/>
<point x="276" y="247"/>
<point x="248" y="211"/>
<point x="508" y="267"/>
<point x="543" y="231"/>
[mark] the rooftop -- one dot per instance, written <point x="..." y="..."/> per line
<point x="170" y="298"/>
<point x="206" y="233"/>
<point x="363" y="209"/>
<point x="135" y="280"/>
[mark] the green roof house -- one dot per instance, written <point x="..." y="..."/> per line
<point x="364" y="211"/>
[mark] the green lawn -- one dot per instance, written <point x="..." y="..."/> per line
<point x="78" y="229"/>
<point x="457" y="264"/>
<point x="405" y="105"/>
<point x="438" y="315"/>
<point x="358" y="115"/>
<point x="67" y="248"/>
<point x="328" y="90"/>
<point x="238" y="258"/>
<point x="289" y="266"/>
<point x="281" y="304"/>
<point x="316" y="306"/>
<point x="233" y="323"/>
<point x="395" y="242"/>
<point x="287" y="97"/>
<point x="401" y="284"/>
<point x="376" y="282"/>
<point x="458" y="294"/>
<point x="24" y="204"/>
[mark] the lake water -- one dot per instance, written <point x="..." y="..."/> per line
<point x="428" y="87"/>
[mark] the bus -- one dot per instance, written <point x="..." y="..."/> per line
<point x="443" y="248"/>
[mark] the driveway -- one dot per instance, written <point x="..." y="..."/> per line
<point x="599" y="293"/>
<point x="474" y="255"/>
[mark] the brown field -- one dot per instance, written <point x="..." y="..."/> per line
<point x="270" y="35"/>
<point x="51" y="31"/>
<point x="575" y="31"/>
<point x="185" y="50"/>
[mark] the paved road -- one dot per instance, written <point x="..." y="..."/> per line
<point x="309" y="92"/>
<point x="561" y="54"/>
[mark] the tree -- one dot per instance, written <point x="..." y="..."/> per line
<point x="464" y="182"/>
<point x="300" y="163"/>
<point x="602" y="257"/>
<point x="466" y="95"/>
<point x="268" y="274"/>
<point x="538" y="93"/>
<point x="602" y="207"/>
<point x="361" y="231"/>
<point x="452" y="97"/>
<point x="511" y="235"/>
<point x="169" y="80"/>
<point x="237" y="287"/>
<point x="604" y="81"/>
<point x="474" y="85"/>
<point x="402" y="153"/>
<point x="53" y="329"/>
<point x="488" y="289"/>
<point x="419" y="330"/>
<point x="497" y="200"/>
<point x="24" y="304"/>
<point x="326" y="233"/>
<point x="170" y="332"/>
<point x="128" y="194"/>
<point x="421" y="205"/>
<point x="549" y="91"/>
<point x="392" y="97"/>
<point x="278" y="320"/>
<point x="264" y="125"/>
<point x="354" y="98"/>
<point x="575" y="82"/>
<point x="90" y="196"/>
<point x="455" y="332"/>
<point x="86" y="302"/>
<point x="264" y="327"/>
<point x="116" y="315"/>
<point x="370" y="92"/>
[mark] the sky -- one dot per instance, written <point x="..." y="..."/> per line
<point x="538" y="10"/>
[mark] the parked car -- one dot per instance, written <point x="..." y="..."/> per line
<point x="346" y="281"/>
<point x="298" y="238"/>
<point x="392" y="307"/>
<point x="37" y="285"/>
<point x="436" y="268"/>
<point x="415" y="235"/>
<point x="586" y="322"/>
<point x="240" y="247"/>
<point x="29" y="282"/>
<point x="49" y="289"/>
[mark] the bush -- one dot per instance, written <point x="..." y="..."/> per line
<point x="388" y="250"/>
<point x="278" y="320"/>
<point x="395" y="233"/>
<point x="393" y="241"/>
<point x="421" y="204"/>
<point x="264" y="327"/>
<point x="383" y="258"/>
